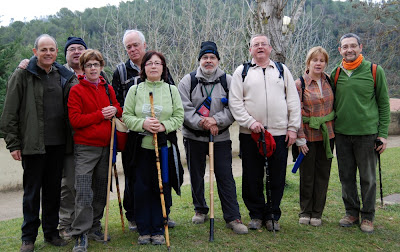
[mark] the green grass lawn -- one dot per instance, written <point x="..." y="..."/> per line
<point x="292" y="237"/>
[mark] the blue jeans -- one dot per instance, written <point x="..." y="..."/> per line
<point x="357" y="152"/>
<point x="253" y="177"/>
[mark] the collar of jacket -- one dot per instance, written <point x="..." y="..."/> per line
<point x="33" y="68"/>
<point x="82" y="81"/>
<point x="218" y="73"/>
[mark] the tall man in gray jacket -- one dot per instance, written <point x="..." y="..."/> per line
<point x="204" y="94"/>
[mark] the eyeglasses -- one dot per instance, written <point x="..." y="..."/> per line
<point x="95" y="65"/>
<point x="156" y="63"/>
<point x="260" y="45"/>
<point x="352" y="46"/>
<point x="73" y="49"/>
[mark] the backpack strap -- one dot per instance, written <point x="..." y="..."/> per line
<point x="303" y="86"/>
<point x="337" y="75"/>
<point x="246" y="67"/>
<point x="108" y="93"/>
<point x="373" y="70"/>
<point x="280" y="69"/>
<point x="193" y="83"/>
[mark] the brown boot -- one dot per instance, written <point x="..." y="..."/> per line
<point x="27" y="246"/>
<point x="367" y="226"/>
<point x="348" y="221"/>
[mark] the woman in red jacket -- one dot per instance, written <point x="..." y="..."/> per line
<point x="91" y="105"/>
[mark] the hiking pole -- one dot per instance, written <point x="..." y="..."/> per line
<point x="164" y="212"/>
<point x="109" y="178"/>
<point x="269" y="193"/>
<point x="119" y="198"/>
<point x="378" y="143"/>
<point x="211" y="158"/>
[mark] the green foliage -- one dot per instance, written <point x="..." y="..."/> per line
<point x="292" y="237"/>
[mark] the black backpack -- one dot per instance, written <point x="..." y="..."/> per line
<point x="247" y="65"/>
<point x="194" y="81"/>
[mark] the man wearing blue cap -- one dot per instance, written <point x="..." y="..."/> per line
<point x="204" y="94"/>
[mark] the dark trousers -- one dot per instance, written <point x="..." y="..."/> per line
<point x="42" y="172"/>
<point x="196" y="153"/>
<point x="129" y="200"/>
<point x="148" y="212"/>
<point x="314" y="179"/>
<point x="253" y="176"/>
<point x="357" y="152"/>
<point x="67" y="203"/>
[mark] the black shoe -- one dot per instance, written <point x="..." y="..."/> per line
<point x="56" y="241"/>
<point x="27" y="246"/>
<point x="81" y="243"/>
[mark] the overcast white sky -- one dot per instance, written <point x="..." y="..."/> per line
<point x="26" y="10"/>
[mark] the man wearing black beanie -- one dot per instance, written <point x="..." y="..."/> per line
<point x="207" y="112"/>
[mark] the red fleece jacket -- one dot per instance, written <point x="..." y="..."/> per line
<point x="84" y="109"/>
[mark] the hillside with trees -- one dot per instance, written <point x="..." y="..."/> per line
<point x="177" y="27"/>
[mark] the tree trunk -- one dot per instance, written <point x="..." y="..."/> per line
<point x="268" y="19"/>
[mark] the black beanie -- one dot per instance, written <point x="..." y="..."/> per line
<point x="73" y="40"/>
<point x="208" y="47"/>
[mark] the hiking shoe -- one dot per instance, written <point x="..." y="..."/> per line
<point x="132" y="226"/>
<point x="305" y="220"/>
<point x="97" y="236"/>
<point x="65" y="234"/>
<point x="316" y="222"/>
<point x="237" y="227"/>
<point x="199" y="218"/>
<point x="27" y="246"/>
<point x="81" y="243"/>
<point x="56" y="241"/>
<point x="255" y="224"/>
<point x="273" y="227"/>
<point x="157" y="240"/>
<point x="367" y="226"/>
<point x="171" y="223"/>
<point x="144" y="239"/>
<point x="348" y="221"/>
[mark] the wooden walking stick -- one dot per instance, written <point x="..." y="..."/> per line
<point x="109" y="178"/>
<point x="164" y="212"/>
<point x="211" y="158"/>
<point x="119" y="198"/>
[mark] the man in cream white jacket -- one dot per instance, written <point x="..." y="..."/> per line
<point x="264" y="99"/>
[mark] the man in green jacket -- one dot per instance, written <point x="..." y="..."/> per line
<point x="36" y="131"/>
<point x="363" y="115"/>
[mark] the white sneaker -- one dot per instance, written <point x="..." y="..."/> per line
<point x="304" y="220"/>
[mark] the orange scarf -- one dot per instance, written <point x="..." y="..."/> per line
<point x="353" y="65"/>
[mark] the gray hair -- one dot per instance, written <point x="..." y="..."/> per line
<point x="350" y="35"/>
<point x="127" y="32"/>
<point x="44" y="36"/>
<point x="259" y="35"/>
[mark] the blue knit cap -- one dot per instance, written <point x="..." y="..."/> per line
<point x="73" y="40"/>
<point x="208" y="47"/>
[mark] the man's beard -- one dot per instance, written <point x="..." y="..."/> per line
<point x="208" y="71"/>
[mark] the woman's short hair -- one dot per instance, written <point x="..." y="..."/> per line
<point x="147" y="57"/>
<point x="90" y="54"/>
<point x="313" y="52"/>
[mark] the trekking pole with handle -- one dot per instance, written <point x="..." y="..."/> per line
<point x="211" y="158"/>
<point x="119" y="198"/>
<point x="269" y="194"/>
<point x="378" y="143"/>
<point x="109" y="178"/>
<point x="164" y="212"/>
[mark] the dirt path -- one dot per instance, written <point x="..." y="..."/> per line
<point x="11" y="202"/>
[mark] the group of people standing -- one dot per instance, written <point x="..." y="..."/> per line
<point x="46" y="104"/>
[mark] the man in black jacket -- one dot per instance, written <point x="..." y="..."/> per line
<point x="35" y="129"/>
